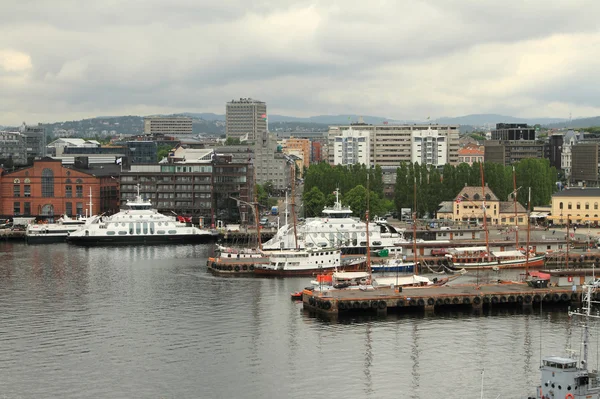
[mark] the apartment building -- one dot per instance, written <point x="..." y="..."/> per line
<point x="391" y="144"/>
<point x="167" y="125"/>
<point x="351" y="147"/>
<point x="245" y="118"/>
<point x="13" y="149"/>
<point x="270" y="163"/>
<point x="298" y="147"/>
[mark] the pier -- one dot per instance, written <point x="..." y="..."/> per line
<point x="380" y="300"/>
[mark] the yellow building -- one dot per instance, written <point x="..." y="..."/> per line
<point x="467" y="208"/>
<point x="301" y="145"/>
<point x="577" y="203"/>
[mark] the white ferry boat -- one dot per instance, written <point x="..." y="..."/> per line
<point x="53" y="232"/>
<point x="337" y="229"/>
<point x="138" y="223"/>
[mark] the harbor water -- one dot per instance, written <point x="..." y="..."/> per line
<point x="151" y="322"/>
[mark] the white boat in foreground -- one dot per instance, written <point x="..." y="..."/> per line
<point x="39" y="233"/>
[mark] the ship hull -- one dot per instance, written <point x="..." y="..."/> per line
<point x="305" y="272"/>
<point x="535" y="261"/>
<point x="141" y="239"/>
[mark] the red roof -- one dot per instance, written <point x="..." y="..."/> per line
<point x="470" y="151"/>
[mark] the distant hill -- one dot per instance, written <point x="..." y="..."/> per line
<point x="577" y="123"/>
<point x="492" y="119"/>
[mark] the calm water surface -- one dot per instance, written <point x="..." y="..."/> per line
<point x="150" y="322"/>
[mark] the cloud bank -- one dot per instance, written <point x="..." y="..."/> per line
<point x="71" y="59"/>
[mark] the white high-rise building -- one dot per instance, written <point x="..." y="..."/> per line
<point x="352" y="147"/>
<point x="245" y="118"/>
<point x="429" y="147"/>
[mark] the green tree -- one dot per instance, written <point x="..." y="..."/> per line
<point x="232" y="141"/>
<point x="314" y="202"/>
<point x="162" y="151"/>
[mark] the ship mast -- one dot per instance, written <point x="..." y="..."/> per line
<point x="367" y="222"/>
<point x="293" y="174"/>
<point x="487" y="235"/>
<point x="568" y="239"/>
<point x="255" y="205"/>
<point x="91" y="204"/>
<point x="515" y="204"/>
<point x="528" y="234"/>
<point x="415" y="268"/>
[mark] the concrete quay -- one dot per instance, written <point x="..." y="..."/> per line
<point x="339" y="302"/>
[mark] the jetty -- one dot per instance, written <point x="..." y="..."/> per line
<point x="380" y="300"/>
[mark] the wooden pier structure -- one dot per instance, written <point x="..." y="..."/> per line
<point x="336" y="302"/>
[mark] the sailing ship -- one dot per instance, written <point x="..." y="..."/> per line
<point x="568" y="377"/>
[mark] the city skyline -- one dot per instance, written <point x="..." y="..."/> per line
<point x="403" y="60"/>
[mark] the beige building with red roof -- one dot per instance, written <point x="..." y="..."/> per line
<point x="470" y="154"/>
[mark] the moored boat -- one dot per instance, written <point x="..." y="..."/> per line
<point x="480" y="258"/>
<point x="39" y="233"/>
<point x="138" y="223"/>
<point x="307" y="262"/>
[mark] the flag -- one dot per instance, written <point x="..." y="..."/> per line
<point x="264" y="116"/>
<point x="385" y="122"/>
<point x="458" y="199"/>
<point x="427" y="118"/>
<point x="119" y="161"/>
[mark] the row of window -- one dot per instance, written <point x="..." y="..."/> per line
<point x="578" y="205"/>
<point x="26" y="208"/>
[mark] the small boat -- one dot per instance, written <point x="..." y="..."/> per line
<point x="297" y="296"/>
<point x="41" y="233"/>
<point x="395" y="265"/>
<point x="568" y="377"/>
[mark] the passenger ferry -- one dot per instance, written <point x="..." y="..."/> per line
<point x="138" y="223"/>
<point x="336" y="228"/>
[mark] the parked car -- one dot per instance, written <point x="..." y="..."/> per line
<point x="439" y="251"/>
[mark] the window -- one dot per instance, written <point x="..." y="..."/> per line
<point x="27" y="191"/>
<point x="569" y="206"/>
<point x="79" y="191"/>
<point x="16" y="191"/>
<point x="587" y="205"/>
<point x="68" y="191"/>
<point x="595" y="205"/>
<point x="578" y="205"/>
<point x="560" y="205"/>
<point x="27" y="208"/>
<point x="47" y="183"/>
<point x="69" y="208"/>
<point x="80" y="208"/>
<point x="17" y="208"/>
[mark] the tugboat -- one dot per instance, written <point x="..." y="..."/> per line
<point x="568" y="377"/>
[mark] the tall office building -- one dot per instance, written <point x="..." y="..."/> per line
<point x="352" y="147"/>
<point x="513" y="131"/>
<point x="167" y="125"/>
<point x="245" y="118"/>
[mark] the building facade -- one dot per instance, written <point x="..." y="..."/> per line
<point x="467" y="208"/>
<point x="429" y="147"/>
<point x="513" y="131"/>
<point x="570" y="139"/>
<point x="584" y="166"/>
<point x="211" y="189"/>
<point x="352" y="146"/>
<point x="13" y="149"/>
<point x="578" y="204"/>
<point x="246" y="117"/>
<point x="299" y="147"/>
<point x="511" y="151"/>
<point x="49" y="189"/>
<point x="270" y="164"/>
<point x="35" y="139"/>
<point x="167" y="125"/>
<point x="393" y="144"/>
<point x="471" y="155"/>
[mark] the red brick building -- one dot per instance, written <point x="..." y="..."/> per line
<point x="49" y="188"/>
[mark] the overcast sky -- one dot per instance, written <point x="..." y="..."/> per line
<point x="73" y="59"/>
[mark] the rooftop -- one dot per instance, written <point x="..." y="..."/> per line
<point x="578" y="192"/>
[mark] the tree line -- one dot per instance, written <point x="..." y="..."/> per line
<point x="433" y="185"/>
